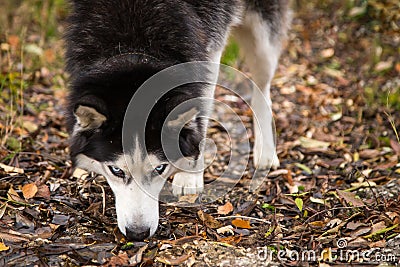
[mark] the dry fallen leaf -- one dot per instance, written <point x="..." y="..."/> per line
<point x="208" y="220"/>
<point x="225" y="209"/>
<point x="3" y="209"/>
<point x="354" y="225"/>
<point x="14" y="41"/>
<point x="191" y="198"/>
<point x="137" y="258"/>
<point x="183" y="240"/>
<point x="80" y="174"/>
<point x="350" y="198"/>
<point x="226" y="230"/>
<point x="378" y="244"/>
<point x="378" y="226"/>
<point x="369" y="153"/>
<point x="11" y="170"/>
<point x="327" y="53"/>
<point x="29" y="190"/>
<point x="318" y="223"/>
<point x="241" y="223"/>
<point x="3" y="247"/>
<point x="170" y="261"/>
<point x="231" y="240"/>
<point x="43" y="191"/>
<point x="312" y="143"/>
<point x="395" y="146"/>
<point x="13" y="195"/>
<point x="360" y="232"/>
<point x="121" y="259"/>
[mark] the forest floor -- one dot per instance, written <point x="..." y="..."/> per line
<point x="333" y="201"/>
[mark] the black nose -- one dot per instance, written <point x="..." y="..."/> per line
<point x="138" y="234"/>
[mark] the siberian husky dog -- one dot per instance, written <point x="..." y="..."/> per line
<point x="113" y="47"/>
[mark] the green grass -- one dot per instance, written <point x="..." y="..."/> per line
<point x="231" y="53"/>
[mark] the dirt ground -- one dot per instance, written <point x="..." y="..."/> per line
<point x="333" y="201"/>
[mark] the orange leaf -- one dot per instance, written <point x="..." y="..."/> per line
<point x="225" y="209"/>
<point x="121" y="259"/>
<point x="13" y="40"/>
<point x="241" y="223"/>
<point x="3" y="247"/>
<point x="29" y="190"/>
<point x="231" y="240"/>
<point x="398" y="67"/>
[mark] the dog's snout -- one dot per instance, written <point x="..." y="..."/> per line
<point x="138" y="234"/>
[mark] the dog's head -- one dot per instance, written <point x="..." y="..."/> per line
<point x="135" y="174"/>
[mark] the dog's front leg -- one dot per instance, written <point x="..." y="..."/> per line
<point x="187" y="183"/>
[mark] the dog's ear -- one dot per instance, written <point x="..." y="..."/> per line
<point x="188" y="126"/>
<point x="185" y="120"/>
<point x="88" y="118"/>
<point x="90" y="113"/>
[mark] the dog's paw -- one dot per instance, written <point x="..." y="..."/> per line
<point x="264" y="159"/>
<point x="185" y="183"/>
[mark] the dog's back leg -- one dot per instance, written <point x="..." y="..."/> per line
<point x="260" y="39"/>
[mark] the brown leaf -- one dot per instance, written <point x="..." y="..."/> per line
<point x="170" y="261"/>
<point x="13" y="195"/>
<point x="121" y="259"/>
<point x="353" y="225"/>
<point x="183" y="240"/>
<point x="395" y="146"/>
<point x="390" y="214"/>
<point x="43" y="191"/>
<point x="137" y="258"/>
<point x="359" y="242"/>
<point x="191" y="198"/>
<point x="29" y="190"/>
<point x="378" y="226"/>
<point x="288" y="176"/>
<point x="13" y="40"/>
<point x="225" y="209"/>
<point x="149" y="257"/>
<point x="231" y="240"/>
<point x="15" y="237"/>
<point x="350" y="198"/>
<point x="369" y="153"/>
<point x="398" y="67"/>
<point x="360" y="232"/>
<point x="318" y="224"/>
<point x="49" y="55"/>
<point x="208" y="220"/>
<point x="241" y="223"/>
<point x="378" y="244"/>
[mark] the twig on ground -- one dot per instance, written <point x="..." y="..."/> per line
<point x="244" y="218"/>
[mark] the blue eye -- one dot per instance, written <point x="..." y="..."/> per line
<point x="117" y="171"/>
<point x="161" y="168"/>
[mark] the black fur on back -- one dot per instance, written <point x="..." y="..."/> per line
<point x="170" y="30"/>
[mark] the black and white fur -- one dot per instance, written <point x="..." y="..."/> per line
<point x="114" y="46"/>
